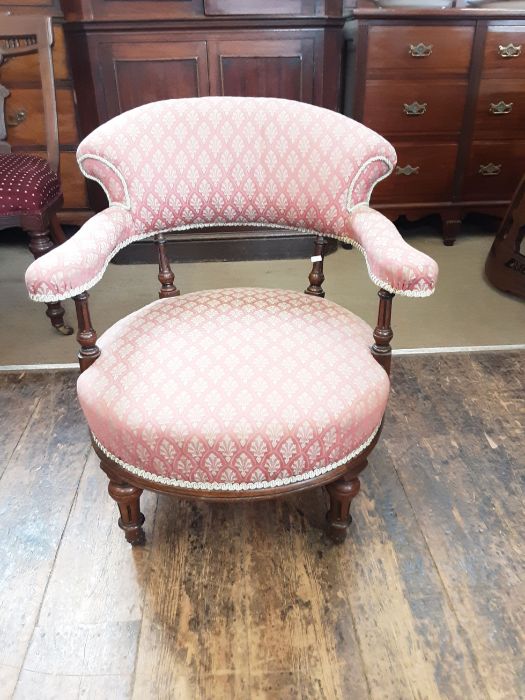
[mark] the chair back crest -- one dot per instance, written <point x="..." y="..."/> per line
<point x="213" y="161"/>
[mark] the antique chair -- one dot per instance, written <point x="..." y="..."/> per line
<point x="236" y="393"/>
<point x="30" y="192"/>
<point x="505" y="266"/>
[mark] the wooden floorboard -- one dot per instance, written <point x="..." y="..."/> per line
<point x="425" y="599"/>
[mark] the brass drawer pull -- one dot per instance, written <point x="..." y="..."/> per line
<point x="420" y="50"/>
<point x="407" y="170"/>
<point x="510" y="51"/>
<point x="16" y="118"/>
<point x="489" y="170"/>
<point x="416" y="109"/>
<point x="501" y="107"/>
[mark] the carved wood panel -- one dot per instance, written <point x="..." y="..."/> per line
<point x="264" y="67"/>
<point x="140" y="71"/>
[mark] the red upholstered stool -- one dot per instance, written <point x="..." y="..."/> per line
<point x="30" y="192"/>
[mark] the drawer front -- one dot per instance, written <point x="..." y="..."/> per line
<point x="505" y="51"/>
<point x="425" y="173"/>
<point x="414" y="107"/>
<point x="420" y="48"/>
<point x="25" y="117"/>
<point x="494" y="170"/>
<point x="24" y="69"/>
<point x="500" y="109"/>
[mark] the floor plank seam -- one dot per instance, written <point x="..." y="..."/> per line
<point x="463" y="631"/>
<point x="146" y="587"/>
<point x="44" y="592"/>
<point x="22" y="435"/>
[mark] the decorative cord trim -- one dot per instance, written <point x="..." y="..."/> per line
<point x="243" y="486"/>
<point x="47" y="298"/>
<point x="81" y="159"/>
<point x="361" y="170"/>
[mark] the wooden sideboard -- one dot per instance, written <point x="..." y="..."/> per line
<point x="447" y="88"/>
<point x="24" y="108"/>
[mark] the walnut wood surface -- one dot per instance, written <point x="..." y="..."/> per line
<point x="251" y="600"/>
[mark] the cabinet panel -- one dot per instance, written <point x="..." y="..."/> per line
<point x="494" y="170"/>
<point x="425" y="173"/>
<point x="137" y="70"/>
<point x="505" y="51"/>
<point x="415" y="106"/>
<point x="420" y="48"/>
<point x="263" y="67"/>
<point x="25" y="117"/>
<point x="500" y="109"/>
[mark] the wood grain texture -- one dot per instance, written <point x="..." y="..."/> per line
<point x="424" y="600"/>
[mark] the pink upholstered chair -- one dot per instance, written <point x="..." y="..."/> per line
<point x="218" y="394"/>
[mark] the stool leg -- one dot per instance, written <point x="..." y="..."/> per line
<point x="39" y="244"/>
<point x="131" y="519"/>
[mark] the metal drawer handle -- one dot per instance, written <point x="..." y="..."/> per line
<point x="416" y="109"/>
<point x="489" y="170"/>
<point x="407" y="170"/>
<point x="501" y="107"/>
<point x="510" y="51"/>
<point x="420" y="50"/>
<point x="16" y="118"/>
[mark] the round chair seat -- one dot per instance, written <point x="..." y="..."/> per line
<point x="235" y="389"/>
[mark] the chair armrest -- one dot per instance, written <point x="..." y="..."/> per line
<point x="392" y="263"/>
<point x="80" y="262"/>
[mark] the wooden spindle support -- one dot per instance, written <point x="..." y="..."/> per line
<point x="86" y="336"/>
<point x="316" y="276"/>
<point x="166" y="276"/>
<point x="381" y="349"/>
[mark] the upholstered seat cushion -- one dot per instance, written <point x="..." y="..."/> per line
<point x="235" y="389"/>
<point x="27" y="184"/>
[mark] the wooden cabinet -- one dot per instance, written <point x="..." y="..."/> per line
<point x="125" y="53"/>
<point x="447" y="88"/>
<point x="24" y="110"/>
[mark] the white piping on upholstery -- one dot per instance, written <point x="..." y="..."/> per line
<point x="244" y="486"/>
<point x="117" y="172"/>
<point x="361" y="170"/>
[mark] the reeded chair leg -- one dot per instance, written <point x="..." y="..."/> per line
<point x="342" y="492"/>
<point x="39" y="244"/>
<point x="131" y="519"/>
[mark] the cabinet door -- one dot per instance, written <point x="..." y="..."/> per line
<point x="263" y="64"/>
<point x="136" y="70"/>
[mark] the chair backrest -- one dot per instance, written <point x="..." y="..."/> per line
<point x="215" y="161"/>
<point x="22" y="34"/>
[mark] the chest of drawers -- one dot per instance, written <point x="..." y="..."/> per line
<point x="447" y="88"/>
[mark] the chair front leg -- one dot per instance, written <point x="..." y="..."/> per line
<point x="131" y="519"/>
<point x="342" y="492"/>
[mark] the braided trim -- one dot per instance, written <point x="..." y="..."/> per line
<point x="242" y="486"/>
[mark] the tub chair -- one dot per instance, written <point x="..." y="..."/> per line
<point x="241" y="393"/>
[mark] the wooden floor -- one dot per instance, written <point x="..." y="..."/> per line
<point x="425" y="600"/>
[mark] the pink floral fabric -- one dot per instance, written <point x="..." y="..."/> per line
<point x="222" y="390"/>
<point x="189" y="163"/>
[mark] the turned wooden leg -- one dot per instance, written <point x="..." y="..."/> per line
<point x="39" y="244"/>
<point x="341" y="493"/>
<point x="131" y="519"/>
<point x="316" y="276"/>
<point x="451" y="228"/>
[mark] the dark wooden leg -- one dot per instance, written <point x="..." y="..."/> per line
<point x="342" y="492"/>
<point x="57" y="232"/>
<point x="316" y="276"/>
<point x="131" y="519"/>
<point x="451" y="228"/>
<point x="166" y="276"/>
<point x="39" y="244"/>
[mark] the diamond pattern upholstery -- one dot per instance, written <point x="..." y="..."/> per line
<point x="27" y="184"/>
<point x="224" y="389"/>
